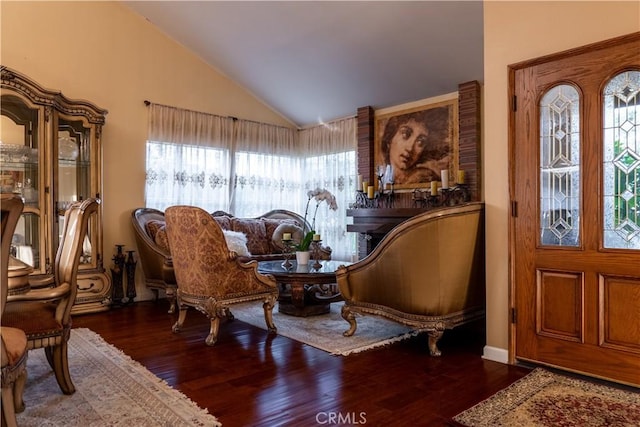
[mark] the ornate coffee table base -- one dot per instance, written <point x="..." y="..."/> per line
<point x="296" y="299"/>
<point x="305" y="290"/>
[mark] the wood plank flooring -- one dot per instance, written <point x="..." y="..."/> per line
<point x="250" y="378"/>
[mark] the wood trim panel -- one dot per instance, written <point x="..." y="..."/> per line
<point x="560" y="305"/>
<point x="619" y="313"/>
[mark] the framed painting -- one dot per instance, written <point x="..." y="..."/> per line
<point x="418" y="143"/>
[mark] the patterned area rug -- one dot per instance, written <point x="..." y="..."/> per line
<point x="111" y="390"/>
<point x="543" y="398"/>
<point x="325" y="331"/>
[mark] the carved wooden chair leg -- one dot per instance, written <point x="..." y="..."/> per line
<point x="268" y="305"/>
<point x="181" y="316"/>
<point x="350" y="317"/>
<point x="170" y="293"/>
<point x="18" y="391"/>
<point x="61" y="368"/>
<point x="434" y="337"/>
<point x="213" y="330"/>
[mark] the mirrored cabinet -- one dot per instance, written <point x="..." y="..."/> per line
<point x="51" y="154"/>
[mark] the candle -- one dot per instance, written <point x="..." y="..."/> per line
<point x="359" y="182"/>
<point x="286" y="236"/>
<point x="370" y="191"/>
<point x="365" y="185"/>
<point x="460" y="177"/>
<point x="434" y="188"/>
<point x="316" y="237"/>
<point x="444" y="174"/>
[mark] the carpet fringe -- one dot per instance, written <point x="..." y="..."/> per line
<point x="378" y="344"/>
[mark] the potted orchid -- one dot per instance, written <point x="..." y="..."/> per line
<point x="319" y="195"/>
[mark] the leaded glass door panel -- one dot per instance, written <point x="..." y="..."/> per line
<point x="575" y="189"/>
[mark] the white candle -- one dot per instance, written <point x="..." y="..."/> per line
<point x="359" y="182"/>
<point x="444" y="175"/>
<point x="286" y="236"/>
<point x="316" y="237"/>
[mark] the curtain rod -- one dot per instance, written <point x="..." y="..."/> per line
<point x="148" y="103"/>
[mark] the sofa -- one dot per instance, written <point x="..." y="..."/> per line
<point x="262" y="236"/>
<point x="427" y="273"/>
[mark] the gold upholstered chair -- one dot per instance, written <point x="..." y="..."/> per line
<point x="427" y="273"/>
<point x="45" y="314"/>
<point x="210" y="277"/>
<point x="13" y="348"/>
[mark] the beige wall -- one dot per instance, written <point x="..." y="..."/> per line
<point x="516" y="31"/>
<point x="102" y="52"/>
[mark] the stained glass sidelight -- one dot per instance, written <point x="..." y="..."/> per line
<point x="621" y="163"/>
<point x="560" y="167"/>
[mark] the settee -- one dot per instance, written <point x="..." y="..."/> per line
<point x="427" y="273"/>
<point x="262" y="236"/>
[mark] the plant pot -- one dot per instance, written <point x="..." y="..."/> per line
<point x="302" y="258"/>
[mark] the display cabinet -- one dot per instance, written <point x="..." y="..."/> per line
<point x="51" y="153"/>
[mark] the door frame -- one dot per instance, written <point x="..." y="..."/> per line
<point x="512" y="69"/>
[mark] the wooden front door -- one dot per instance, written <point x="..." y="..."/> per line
<point x="575" y="224"/>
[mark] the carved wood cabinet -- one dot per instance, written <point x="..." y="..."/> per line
<point x="51" y="153"/>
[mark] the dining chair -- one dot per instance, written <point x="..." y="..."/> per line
<point x="13" y="348"/>
<point x="45" y="314"/>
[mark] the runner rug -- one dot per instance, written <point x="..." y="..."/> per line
<point x="543" y="398"/>
<point x="325" y="331"/>
<point x="111" y="389"/>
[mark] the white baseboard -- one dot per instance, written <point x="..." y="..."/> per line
<point x="495" y="354"/>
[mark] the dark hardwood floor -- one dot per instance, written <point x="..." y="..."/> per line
<point x="250" y="378"/>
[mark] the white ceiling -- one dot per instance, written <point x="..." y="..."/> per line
<point x="315" y="61"/>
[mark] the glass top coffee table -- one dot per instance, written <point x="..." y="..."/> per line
<point x="303" y="289"/>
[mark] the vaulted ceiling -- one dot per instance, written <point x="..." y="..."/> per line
<point x="316" y="61"/>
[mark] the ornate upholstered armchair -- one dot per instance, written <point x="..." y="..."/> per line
<point x="157" y="264"/>
<point x="45" y="314"/>
<point x="210" y="277"/>
<point x="427" y="273"/>
<point x="13" y="347"/>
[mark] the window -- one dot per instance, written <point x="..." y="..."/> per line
<point x="622" y="161"/>
<point x="248" y="168"/>
<point x="179" y="174"/>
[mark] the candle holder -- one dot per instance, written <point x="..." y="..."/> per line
<point x="130" y="267"/>
<point x="287" y="251"/>
<point x="316" y="254"/>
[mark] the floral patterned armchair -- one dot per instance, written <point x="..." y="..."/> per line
<point x="210" y="277"/>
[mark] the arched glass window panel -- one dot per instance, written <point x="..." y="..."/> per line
<point x="621" y="163"/>
<point x="560" y="167"/>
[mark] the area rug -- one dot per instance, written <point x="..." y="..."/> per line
<point x="111" y="390"/>
<point x="544" y="398"/>
<point x="325" y="331"/>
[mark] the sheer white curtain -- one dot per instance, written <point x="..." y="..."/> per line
<point x="188" y="159"/>
<point x="328" y="154"/>
<point x="248" y="168"/>
<point x="266" y="169"/>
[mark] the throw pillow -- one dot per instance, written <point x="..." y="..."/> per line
<point x="153" y="226"/>
<point x="236" y="242"/>
<point x="223" y="221"/>
<point x="296" y="234"/>
<point x="256" y="233"/>
<point x="162" y="240"/>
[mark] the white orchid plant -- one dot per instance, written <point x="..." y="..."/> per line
<point x="319" y="195"/>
